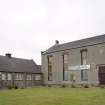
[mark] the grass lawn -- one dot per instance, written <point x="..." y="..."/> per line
<point x="53" y="96"/>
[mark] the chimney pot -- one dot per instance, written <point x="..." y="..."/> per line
<point x="56" y="42"/>
<point x="8" y="55"/>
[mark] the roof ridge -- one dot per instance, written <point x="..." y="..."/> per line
<point x="77" y="44"/>
<point x="83" y="39"/>
<point x="17" y="58"/>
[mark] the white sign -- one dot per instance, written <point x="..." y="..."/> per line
<point x="79" y="67"/>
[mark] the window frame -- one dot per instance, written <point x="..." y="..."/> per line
<point x="18" y="76"/>
<point x="65" y="65"/>
<point x="29" y="77"/>
<point x="84" y="76"/>
<point x="50" y="72"/>
<point x="38" y="77"/>
<point x="9" y="76"/>
<point x="3" y="76"/>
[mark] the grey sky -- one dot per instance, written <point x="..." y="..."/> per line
<point x="30" y="26"/>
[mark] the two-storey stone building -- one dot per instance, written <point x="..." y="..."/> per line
<point x="81" y="61"/>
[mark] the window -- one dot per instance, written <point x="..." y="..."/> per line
<point x="0" y="76"/>
<point x="84" y="75"/>
<point x="50" y="74"/>
<point x="18" y="76"/>
<point x="65" y="67"/>
<point x="84" y="62"/>
<point x="9" y="76"/>
<point x="29" y="77"/>
<point x="84" y="57"/>
<point x="38" y="77"/>
<point x="3" y="76"/>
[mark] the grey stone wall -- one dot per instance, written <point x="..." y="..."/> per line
<point x="95" y="56"/>
<point x="20" y="83"/>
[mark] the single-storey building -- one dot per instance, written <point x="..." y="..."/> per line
<point x="81" y="61"/>
<point x="19" y="72"/>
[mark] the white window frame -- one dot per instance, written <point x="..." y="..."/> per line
<point x="37" y="77"/>
<point x="9" y="76"/>
<point x="84" y="75"/>
<point x="3" y="76"/>
<point x="19" y="76"/>
<point x="29" y="77"/>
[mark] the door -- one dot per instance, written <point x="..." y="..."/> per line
<point x="101" y="75"/>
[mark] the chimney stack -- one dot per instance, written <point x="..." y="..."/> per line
<point x="8" y="55"/>
<point x="56" y="42"/>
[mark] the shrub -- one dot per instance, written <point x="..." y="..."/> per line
<point x="9" y="87"/>
<point x="86" y="86"/>
<point x="82" y="85"/>
<point x="49" y="85"/>
<point x="64" y="86"/>
<point x="15" y="87"/>
<point x="93" y="85"/>
<point x="102" y="86"/>
<point x="22" y="87"/>
<point x="73" y="86"/>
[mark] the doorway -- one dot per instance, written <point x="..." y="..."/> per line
<point x="101" y="75"/>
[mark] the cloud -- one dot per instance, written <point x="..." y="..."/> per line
<point x="30" y="26"/>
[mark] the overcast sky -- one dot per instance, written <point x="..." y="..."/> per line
<point x="30" y="26"/>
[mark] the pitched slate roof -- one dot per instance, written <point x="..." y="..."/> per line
<point x="76" y="44"/>
<point x="18" y="65"/>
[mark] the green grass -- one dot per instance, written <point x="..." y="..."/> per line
<point x="53" y="96"/>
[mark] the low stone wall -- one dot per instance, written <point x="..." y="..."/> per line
<point x="20" y="83"/>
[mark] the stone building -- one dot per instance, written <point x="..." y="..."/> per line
<point x="81" y="61"/>
<point x="19" y="72"/>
